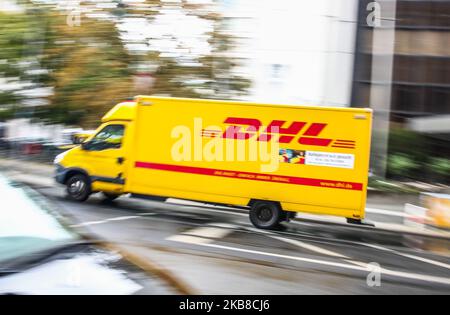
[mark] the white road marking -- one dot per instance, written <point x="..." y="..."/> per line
<point x="189" y="239"/>
<point x="412" y="276"/>
<point x="359" y="266"/>
<point x="310" y="247"/>
<point x="387" y="212"/>
<point x="208" y="232"/>
<point x="316" y="217"/>
<point x="224" y="225"/>
<point x="414" y="257"/>
<point x="334" y="254"/>
<point x="123" y="218"/>
<point x="204" y="234"/>
<point x="89" y="223"/>
<point x="313" y="248"/>
<point x="356" y="262"/>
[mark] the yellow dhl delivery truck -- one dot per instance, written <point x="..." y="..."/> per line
<point x="275" y="160"/>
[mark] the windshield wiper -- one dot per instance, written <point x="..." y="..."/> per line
<point x="36" y="258"/>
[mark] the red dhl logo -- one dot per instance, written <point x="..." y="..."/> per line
<point x="307" y="133"/>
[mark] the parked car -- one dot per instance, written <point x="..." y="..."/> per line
<point x="41" y="254"/>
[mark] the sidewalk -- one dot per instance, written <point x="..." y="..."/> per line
<point x="385" y="212"/>
<point x="31" y="173"/>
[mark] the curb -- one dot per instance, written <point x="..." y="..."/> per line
<point x="153" y="268"/>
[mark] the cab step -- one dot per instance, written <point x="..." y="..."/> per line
<point x="360" y="222"/>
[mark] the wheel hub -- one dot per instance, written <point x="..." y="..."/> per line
<point x="265" y="214"/>
<point x="76" y="187"/>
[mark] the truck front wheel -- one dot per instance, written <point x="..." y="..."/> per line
<point x="265" y="215"/>
<point x="78" y="187"/>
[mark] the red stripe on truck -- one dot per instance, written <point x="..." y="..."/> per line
<point x="252" y="176"/>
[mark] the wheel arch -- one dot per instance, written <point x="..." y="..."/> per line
<point x="70" y="172"/>
<point x="253" y="201"/>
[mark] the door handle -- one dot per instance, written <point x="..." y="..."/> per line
<point x="120" y="160"/>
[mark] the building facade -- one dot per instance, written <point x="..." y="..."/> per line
<point x="402" y="70"/>
<point x="297" y="52"/>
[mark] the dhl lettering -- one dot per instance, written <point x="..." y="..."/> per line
<point x="247" y="128"/>
<point x="234" y="132"/>
<point x="276" y="127"/>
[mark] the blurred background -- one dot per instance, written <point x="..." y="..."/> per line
<point x="63" y="64"/>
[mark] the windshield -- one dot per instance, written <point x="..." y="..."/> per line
<point x="109" y="137"/>
<point x="27" y="224"/>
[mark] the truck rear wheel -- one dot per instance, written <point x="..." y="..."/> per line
<point x="78" y="187"/>
<point x="265" y="215"/>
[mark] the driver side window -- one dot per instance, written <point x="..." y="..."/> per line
<point x="109" y="137"/>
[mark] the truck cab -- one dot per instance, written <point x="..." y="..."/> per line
<point x="99" y="164"/>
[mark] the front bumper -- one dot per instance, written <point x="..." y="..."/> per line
<point x="60" y="174"/>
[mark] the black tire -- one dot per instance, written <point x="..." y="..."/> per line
<point x="266" y="215"/>
<point x="109" y="196"/>
<point x="78" y="187"/>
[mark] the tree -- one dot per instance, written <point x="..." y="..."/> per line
<point x="219" y="66"/>
<point x="15" y="38"/>
<point x="89" y="70"/>
<point x="92" y="66"/>
<point x="192" y="73"/>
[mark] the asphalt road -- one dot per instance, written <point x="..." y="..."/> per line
<point x="215" y="250"/>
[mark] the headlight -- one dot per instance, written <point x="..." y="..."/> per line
<point x="59" y="158"/>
